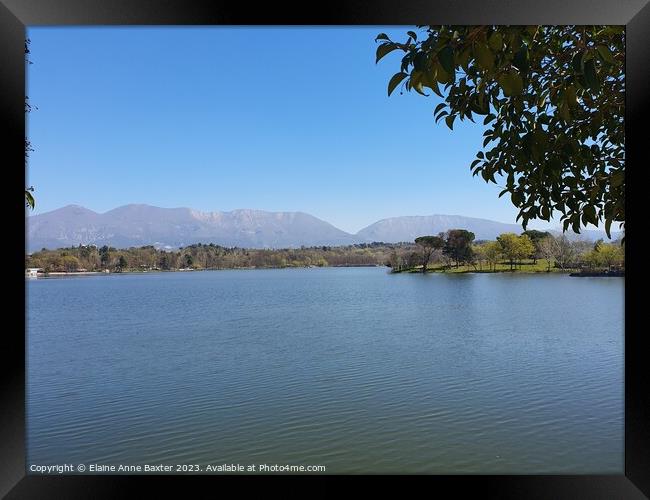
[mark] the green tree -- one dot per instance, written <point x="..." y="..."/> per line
<point x="458" y="245"/>
<point x="104" y="256"/>
<point x="492" y="253"/>
<point x="479" y="255"/>
<point x="428" y="245"/>
<point x="122" y="263"/>
<point x="552" y="99"/>
<point x="165" y="262"/>
<point x="605" y="255"/>
<point x="515" y="247"/>
<point x="69" y="263"/>
<point x="536" y="237"/>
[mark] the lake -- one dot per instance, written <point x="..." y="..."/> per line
<point x="351" y="368"/>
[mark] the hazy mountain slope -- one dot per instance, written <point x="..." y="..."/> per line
<point x="136" y="225"/>
<point x="397" y="229"/>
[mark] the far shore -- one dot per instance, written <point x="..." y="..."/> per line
<point x="146" y="271"/>
<point x="415" y="270"/>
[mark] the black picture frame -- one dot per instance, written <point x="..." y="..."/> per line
<point x="16" y="15"/>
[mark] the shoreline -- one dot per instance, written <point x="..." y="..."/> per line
<point x="104" y="273"/>
<point x="578" y="274"/>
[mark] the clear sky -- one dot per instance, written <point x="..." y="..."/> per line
<point x="219" y="118"/>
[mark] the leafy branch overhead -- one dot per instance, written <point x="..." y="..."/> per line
<point x="29" y="197"/>
<point x="552" y="99"/>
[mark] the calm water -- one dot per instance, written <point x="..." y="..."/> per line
<point x="353" y="368"/>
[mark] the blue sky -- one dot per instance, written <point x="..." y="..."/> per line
<point x="219" y="118"/>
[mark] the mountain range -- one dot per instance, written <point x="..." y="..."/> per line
<point x="139" y="225"/>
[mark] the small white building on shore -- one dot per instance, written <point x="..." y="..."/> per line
<point x="32" y="272"/>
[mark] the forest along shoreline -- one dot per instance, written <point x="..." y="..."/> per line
<point x="454" y="251"/>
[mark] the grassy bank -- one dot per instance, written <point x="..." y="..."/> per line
<point x="526" y="266"/>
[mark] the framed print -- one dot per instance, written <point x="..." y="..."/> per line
<point x="321" y="244"/>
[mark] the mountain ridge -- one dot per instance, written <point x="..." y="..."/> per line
<point x="138" y="224"/>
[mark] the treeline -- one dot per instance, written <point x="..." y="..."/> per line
<point x="210" y="256"/>
<point x="538" y="250"/>
<point x="456" y="248"/>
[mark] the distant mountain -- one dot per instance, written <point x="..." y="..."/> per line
<point x="408" y="228"/>
<point x="139" y="225"/>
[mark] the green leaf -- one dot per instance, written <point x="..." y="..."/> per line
<point x="382" y="36"/>
<point x="446" y="58"/>
<point x="520" y="60"/>
<point x="412" y="35"/>
<point x="419" y="88"/>
<point x="511" y="83"/>
<point x="436" y="90"/>
<point x="463" y="58"/>
<point x="29" y="199"/>
<point x="417" y="83"/>
<point x="589" y="215"/>
<point x="488" y="119"/>
<point x="570" y="96"/>
<point x="605" y="54"/>
<point x="618" y="178"/>
<point x="517" y="83"/>
<point x="564" y="112"/>
<point x="495" y="41"/>
<point x="383" y="49"/>
<point x="484" y="57"/>
<point x="576" y="225"/>
<point x="546" y="213"/>
<point x="450" y="121"/>
<point x="590" y="75"/>
<point x="577" y="62"/>
<point x="395" y="81"/>
<point x="516" y="198"/>
<point x="608" y="225"/>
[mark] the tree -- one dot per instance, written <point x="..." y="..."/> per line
<point x="525" y="247"/>
<point x="563" y="252"/>
<point x="165" y="262"/>
<point x="122" y="263"/>
<point x="428" y="245"/>
<point x="478" y="252"/>
<point x="104" y="256"/>
<point x="553" y="102"/>
<point x="546" y="249"/>
<point x="605" y="255"/>
<point x="458" y="245"/>
<point x="492" y="253"/>
<point x="515" y="247"/>
<point x="536" y="237"/>
<point x="70" y="263"/>
<point x="508" y="242"/>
